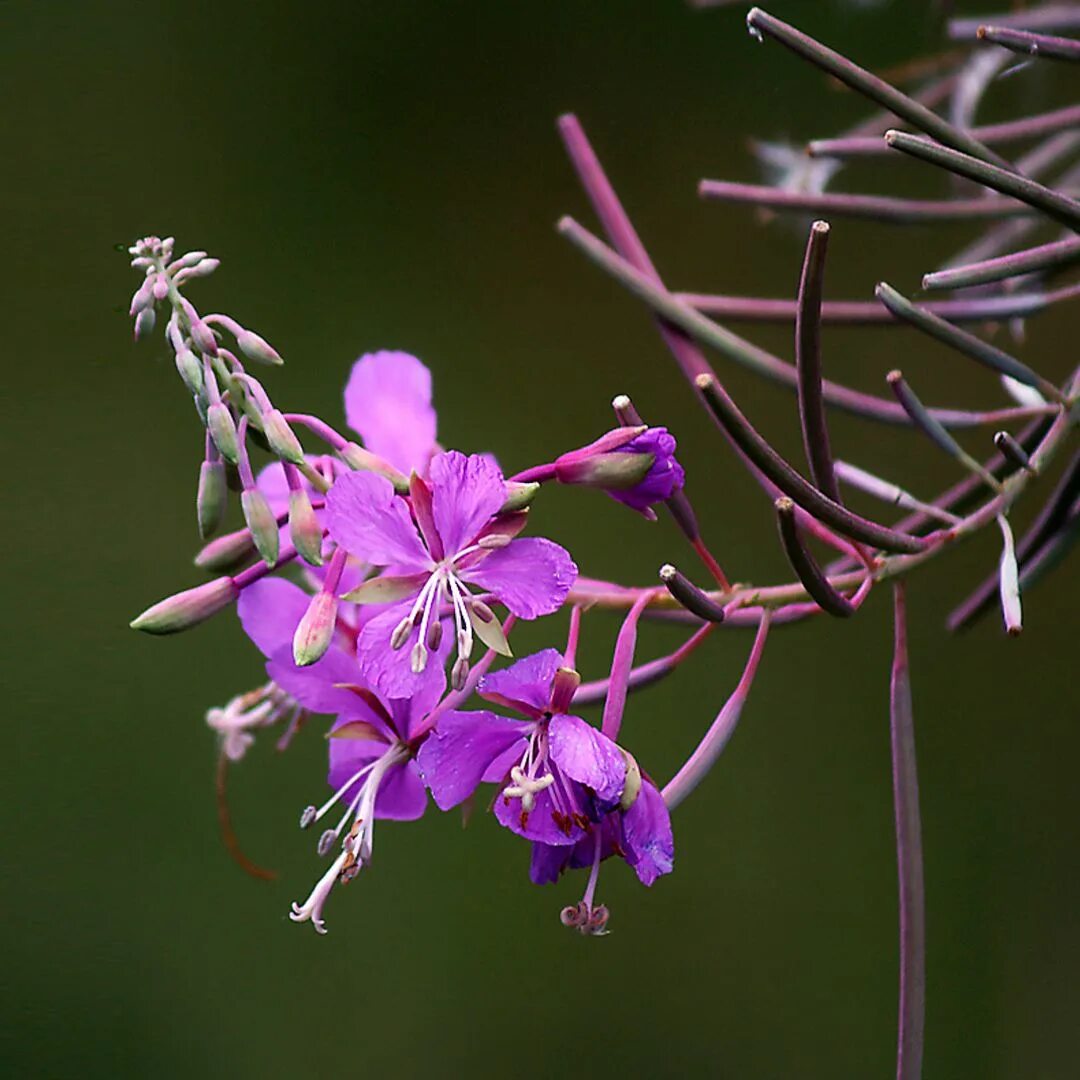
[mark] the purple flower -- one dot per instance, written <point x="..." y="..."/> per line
<point x="636" y="466"/>
<point x="665" y="475"/>
<point x="447" y="536"/>
<point x="567" y="787"/>
<point x="372" y="772"/>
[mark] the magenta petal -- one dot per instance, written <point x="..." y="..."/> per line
<point x="647" y="839"/>
<point x="319" y="687"/>
<point x="527" y="681"/>
<point x="388" y="670"/>
<point x="538" y="824"/>
<point x="367" y="519"/>
<point x="587" y="756"/>
<point x="465" y="493"/>
<point x="456" y="754"/>
<point x="388" y="403"/>
<point x="270" y="611"/>
<point x="548" y="863"/>
<point x="531" y="577"/>
<point x="402" y="795"/>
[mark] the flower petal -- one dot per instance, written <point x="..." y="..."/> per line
<point x="388" y="670"/>
<point x="647" y="839"/>
<point x="588" y="756"/>
<point x="402" y="795"/>
<point x="371" y="522"/>
<point x="466" y="492"/>
<point x="548" y="863"/>
<point x="320" y="687"/>
<point x="388" y="403"/>
<point x="531" y="577"/>
<point x="539" y="823"/>
<point x="526" y="683"/>
<point x="270" y="610"/>
<point x="456" y="754"/>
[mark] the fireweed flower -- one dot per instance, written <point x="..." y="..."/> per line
<point x="634" y="465"/>
<point x="447" y="537"/>
<point x="372" y="772"/>
<point x="564" y="785"/>
<point x="238" y="720"/>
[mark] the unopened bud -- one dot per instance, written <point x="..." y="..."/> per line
<point x="227" y="553"/>
<point x="188" y="259"/>
<point x="255" y="348"/>
<point x="161" y="286"/>
<point x="613" y="471"/>
<point x="281" y="439"/>
<point x="316" y="630"/>
<point x="187" y="363"/>
<point x="187" y="608"/>
<point x="518" y="496"/>
<point x="262" y="523"/>
<point x="144" y="323"/>
<point x="304" y="528"/>
<point x="143" y="297"/>
<point x="203" y="337"/>
<point x="210" y="500"/>
<point x="222" y="428"/>
<point x="356" y="457"/>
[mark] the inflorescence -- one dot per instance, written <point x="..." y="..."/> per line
<point x="408" y="566"/>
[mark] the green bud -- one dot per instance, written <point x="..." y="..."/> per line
<point x="304" y="528"/>
<point x="210" y="500"/>
<point x="188" y="608"/>
<point x="262" y="523"/>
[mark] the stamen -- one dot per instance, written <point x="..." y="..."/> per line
<point x="401" y="633"/>
<point x="418" y="659"/>
<point x="326" y="842"/>
<point x="307" y="816"/>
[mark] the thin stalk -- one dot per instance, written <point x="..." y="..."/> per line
<point x="887" y="209"/>
<point x="1049" y="17"/>
<point x="622" y="661"/>
<point x="909" y="859"/>
<point x="723" y="727"/>
<point x="869" y="313"/>
<point x="678" y="316"/>
<point x="1027" y="127"/>
<point x="1053" y="203"/>
<point x="812" y="419"/>
<point x="805" y="566"/>
<point x="876" y="89"/>
<point x="982" y="352"/>
<point x="792" y="483"/>
<point x="1052" y="256"/>
<point x="1045" y="46"/>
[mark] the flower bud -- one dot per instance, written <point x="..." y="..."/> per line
<point x="187" y="608"/>
<point x="356" y="457"/>
<point x="222" y="428"/>
<point x="262" y="523"/>
<point x="616" y="471"/>
<point x="518" y="496"/>
<point x="203" y="337"/>
<point x="304" y="528"/>
<point x="210" y="500"/>
<point x="188" y="259"/>
<point x="144" y="322"/>
<point x="200" y="270"/>
<point x="280" y="437"/>
<point x="187" y="363"/>
<point x="316" y="629"/>
<point x="227" y="553"/>
<point x="255" y="348"/>
<point x="161" y="286"/>
<point x="143" y="297"/>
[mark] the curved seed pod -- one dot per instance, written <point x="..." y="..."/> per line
<point x="806" y="568"/>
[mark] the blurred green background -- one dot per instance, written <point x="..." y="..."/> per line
<point x="387" y="175"/>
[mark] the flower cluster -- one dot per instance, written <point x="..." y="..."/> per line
<point x="382" y="577"/>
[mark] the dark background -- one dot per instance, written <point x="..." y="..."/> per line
<point x="387" y="175"/>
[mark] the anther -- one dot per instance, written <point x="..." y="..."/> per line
<point x="459" y="673"/>
<point x="401" y="633"/>
<point x="418" y="658"/>
<point x="307" y="816"/>
<point x="434" y="635"/>
<point x="326" y="842"/>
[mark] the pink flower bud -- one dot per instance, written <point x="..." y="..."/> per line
<point x="144" y="322"/>
<point x="518" y="496"/>
<point x="143" y="297"/>
<point x="210" y="500"/>
<point x="316" y="630"/>
<point x="226" y="553"/>
<point x="187" y="363"/>
<point x="255" y="348"/>
<point x="281" y="438"/>
<point x="611" y="471"/>
<point x="262" y="523"/>
<point x="222" y="428"/>
<point x="203" y="269"/>
<point x="161" y="286"/>
<point x="304" y="528"/>
<point x="187" y="608"/>
<point x="203" y="337"/>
